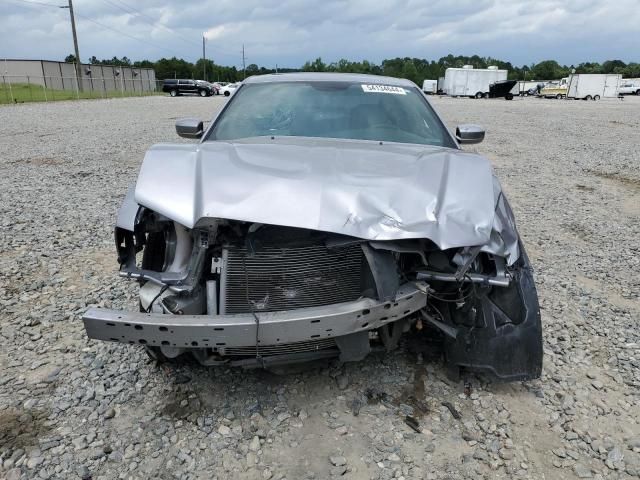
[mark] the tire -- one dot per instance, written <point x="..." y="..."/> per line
<point x="173" y="93"/>
<point x="638" y="92"/>
<point x="478" y="95"/>
<point x="596" y="97"/>
<point x="509" y="96"/>
<point x="588" y="97"/>
<point x="155" y="354"/>
<point x="559" y="96"/>
<point x="486" y="95"/>
<point x="202" y="93"/>
<point x="226" y="94"/>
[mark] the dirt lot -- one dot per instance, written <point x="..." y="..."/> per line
<point x="71" y="408"/>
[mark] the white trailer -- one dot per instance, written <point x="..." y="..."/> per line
<point x="430" y="87"/>
<point x="525" y="85"/>
<point x="471" y="82"/>
<point x="588" y="86"/>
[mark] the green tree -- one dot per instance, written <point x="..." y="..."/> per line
<point x="203" y="68"/>
<point x="549" y="70"/>
<point x="613" y="66"/>
<point x="589" y="67"/>
<point x="252" y="69"/>
<point x="143" y="64"/>
<point x="173" y="68"/>
<point x="632" y="70"/>
<point x="316" y="66"/>
<point x="409" y="70"/>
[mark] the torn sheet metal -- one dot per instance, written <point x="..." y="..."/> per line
<point x="362" y="189"/>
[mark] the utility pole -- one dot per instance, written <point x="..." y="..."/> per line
<point x="244" y="69"/>
<point x="75" y="46"/>
<point x="204" y="61"/>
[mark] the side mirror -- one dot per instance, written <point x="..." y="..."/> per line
<point x="189" y="127"/>
<point x="467" y="134"/>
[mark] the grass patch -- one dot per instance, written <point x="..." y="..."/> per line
<point x="24" y="92"/>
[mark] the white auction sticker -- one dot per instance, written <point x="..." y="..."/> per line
<point x="384" y="89"/>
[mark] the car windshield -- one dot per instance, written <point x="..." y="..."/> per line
<point x="331" y="110"/>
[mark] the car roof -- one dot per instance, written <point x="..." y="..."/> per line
<point x="329" y="77"/>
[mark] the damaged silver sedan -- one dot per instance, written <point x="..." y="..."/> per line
<point x="324" y="215"/>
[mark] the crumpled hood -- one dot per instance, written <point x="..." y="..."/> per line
<point x="362" y="189"/>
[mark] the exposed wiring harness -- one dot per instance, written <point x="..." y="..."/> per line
<point x="255" y="315"/>
<point x="162" y="290"/>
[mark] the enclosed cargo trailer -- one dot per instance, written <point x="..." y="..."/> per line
<point x="430" y="87"/>
<point x="471" y="82"/>
<point x="530" y="87"/>
<point x="593" y="86"/>
<point x="503" y="89"/>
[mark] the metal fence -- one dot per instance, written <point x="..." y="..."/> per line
<point x="29" y="88"/>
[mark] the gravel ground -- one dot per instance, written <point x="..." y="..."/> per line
<point x="73" y="408"/>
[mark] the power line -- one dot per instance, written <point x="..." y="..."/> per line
<point x="39" y="3"/>
<point x="155" y="23"/>
<point x="133" y="11"/>
<point x="115" y="30"/>
<point x="125" y="7"/>
<point x="120" y="32"/>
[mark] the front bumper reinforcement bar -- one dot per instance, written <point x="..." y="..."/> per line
<point x="221" y="331"/>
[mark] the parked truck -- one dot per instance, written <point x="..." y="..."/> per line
<point x="471" y="82"/>
<point x="629" y="86"/>
<point x="555" y="89"/>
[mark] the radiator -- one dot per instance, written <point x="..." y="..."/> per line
<point x="275" y="279"/>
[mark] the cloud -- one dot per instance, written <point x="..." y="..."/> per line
<point x="289" y="32"/>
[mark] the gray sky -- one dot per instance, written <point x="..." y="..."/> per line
<point x="289" y="32"/>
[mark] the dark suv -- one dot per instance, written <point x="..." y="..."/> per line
<point x="181" y="86"/>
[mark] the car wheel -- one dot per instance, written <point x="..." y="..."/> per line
<point x="588" y="97"/>
<point x="173" y="93"/>
<point x="226" y="94"/>
<point x="479" y="95"/>
<point x="486" y="95"/>
<point x="638" y="92"/>
<point x="596" y="97"/>
<point x="509" y="96"/>
<point x="202" y="93"/>
<point x="559" y="96"/>
<point x="155" y="354"/>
